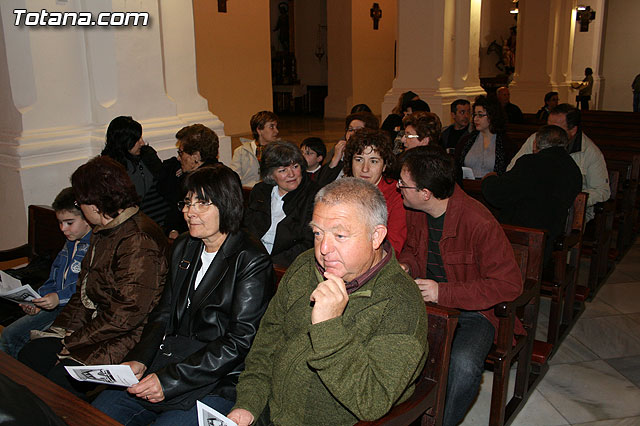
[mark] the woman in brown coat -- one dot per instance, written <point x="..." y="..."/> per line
<point x="120" y="282"/>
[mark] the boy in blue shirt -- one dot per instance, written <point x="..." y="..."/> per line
<point x="61" y="285"/>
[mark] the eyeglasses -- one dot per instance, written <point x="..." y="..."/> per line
<point x="353" y="129"/>
<point x="401" y="185"/>
<point x="198" y="206"/>
<point x="180" y="152"/>
<point x="409" y="136"/>
<point x="474" y="115"/>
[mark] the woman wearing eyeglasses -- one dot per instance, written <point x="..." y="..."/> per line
<point x="120" y="281"/>
<point x="369" y="156"/>
<point x="487" y="149"/>
<point x="280" y="207"/>
<point x="194" y="345"/>
<point x="420" y="129"/>
<point x="197" y="147"/>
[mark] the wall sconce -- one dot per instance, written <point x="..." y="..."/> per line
<point x="585" y="15"/>
<point x="514" y="10"/>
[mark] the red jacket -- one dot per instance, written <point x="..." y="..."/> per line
<point x="477" y="256"/>
<point x="397" y="220"/>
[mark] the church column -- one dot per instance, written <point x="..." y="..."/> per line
<point x="543" y="52"/>
<point x="587" y="49"/>
<point x="339" y="100"/>
<point x="61" y="86"/>
<point x="438" y="48"/>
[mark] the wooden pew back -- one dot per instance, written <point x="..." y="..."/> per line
<point x="528" y="247"/>
<point x="70" y="408"/>
<point x="44" y="238"/>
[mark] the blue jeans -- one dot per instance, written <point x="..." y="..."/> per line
<point x="636" y="101"/>
<point x="124" y="407"/>
<point x="471" y="344"/>
<point x="16" y="334"/>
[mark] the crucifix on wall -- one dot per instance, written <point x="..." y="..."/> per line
<point x="222" y="6"/>
<point x="376" y="15"/>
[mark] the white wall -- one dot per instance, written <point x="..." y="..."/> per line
<point x="620" y="55"/>
<point x="60" y="87"/>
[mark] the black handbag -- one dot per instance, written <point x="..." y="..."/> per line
<point x="175" y="349"/>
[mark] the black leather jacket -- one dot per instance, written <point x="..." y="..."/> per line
<point x="222" y="320"/>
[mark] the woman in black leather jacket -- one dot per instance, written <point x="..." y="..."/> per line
<point x="280" y="207"/>
<point x="195" y="342"/>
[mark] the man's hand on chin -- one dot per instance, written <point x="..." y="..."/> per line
<point x="330" y="299"/>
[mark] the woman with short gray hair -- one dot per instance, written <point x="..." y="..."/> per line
<point x="280" y="207"/>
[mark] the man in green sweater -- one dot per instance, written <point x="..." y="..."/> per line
<point x="345" y="337"/>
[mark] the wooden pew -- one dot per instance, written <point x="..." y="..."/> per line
<point x="628" y="166"/>
<point x="44" y="241"/>
<point x="44" y="238"/>
<point x="598" y="236"/>
<point x="594" y="120"/>
<point x="624" y="209"/>
<point x="618" y="146"/>
<point x="280" y="271"/>
<point x="427" y="401"/>
<point x="560" y="287"/>
<point x="528" y="246"/>
<point x="70" y="408"/>
<point x="473" y="188"/>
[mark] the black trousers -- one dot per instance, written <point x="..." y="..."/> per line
<point x="582" y="102"/>
<point x="41" y="355"/>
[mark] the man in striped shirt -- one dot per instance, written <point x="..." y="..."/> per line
<point x="460" y="258"/>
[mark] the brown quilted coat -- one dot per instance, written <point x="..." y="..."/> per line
<point x="121" y="281"/>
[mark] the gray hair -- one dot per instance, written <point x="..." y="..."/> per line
<point x="365" y="196"/>
<point x="279" y="154"/>
<point x="550" y="136"/>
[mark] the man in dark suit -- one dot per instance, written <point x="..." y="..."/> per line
<point x="539" y="190"/>
<point x="512" y="111"/>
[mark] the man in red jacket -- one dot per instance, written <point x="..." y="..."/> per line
<point x="460" y="258"/>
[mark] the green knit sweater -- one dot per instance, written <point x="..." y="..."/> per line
<point x="353" y="367"/>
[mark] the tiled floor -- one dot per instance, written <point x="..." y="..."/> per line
<point x="594" y="378"/>
<point x="295" y="129"/>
